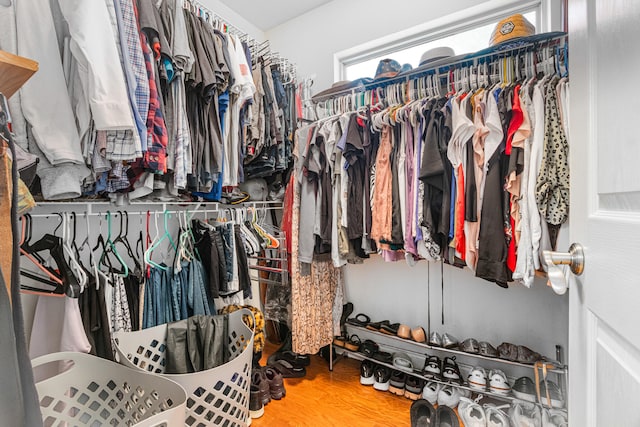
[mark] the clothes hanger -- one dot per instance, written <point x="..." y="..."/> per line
<point x="124" y="239"/>
<point x="75" y="266"/>
<point x="165" y="236"/>
<point x="111" y="248"/>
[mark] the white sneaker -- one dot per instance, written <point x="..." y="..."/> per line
<point x="450" y="396"/>
<point x="498" y="382"/>
<point x="478" y="379"/>
<point x="496" y="417"/>
<point x="430" y="392"/>
<point x="554" y="418"/>
<point x="471" y="413"/>
<point x="525" y="414"/>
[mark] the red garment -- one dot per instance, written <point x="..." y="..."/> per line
<point x="287" y="212"/>
<point x="516" y="118"/>
<point x="461" y="244"/>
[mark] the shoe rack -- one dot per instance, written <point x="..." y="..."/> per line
<point x="465" y="361"/>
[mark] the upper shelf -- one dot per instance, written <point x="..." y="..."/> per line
<point x="14" y="72"/>
<point x="560" y="370"/>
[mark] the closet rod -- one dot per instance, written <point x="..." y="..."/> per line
<point x="445" y="65"/>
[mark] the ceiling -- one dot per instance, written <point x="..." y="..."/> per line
<point x="268" y="14"/>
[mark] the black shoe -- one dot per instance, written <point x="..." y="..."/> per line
<point x="396" y="382"/>
<point x="382" y="376"/>
<point x="422" y="414"/>
<point x="324" y="352"/>
<point x="296" y="359"/>
<point x="413" y="387"/>
<point x="450" y="370"/>
<point x="366" y="372"/>
<point x="432" y="368"/>
<point x="256" y="407"/>
<point x="446" y="417"/>
<point x="259" y="381"/>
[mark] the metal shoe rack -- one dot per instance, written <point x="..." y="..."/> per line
<point x="466" y="361"/>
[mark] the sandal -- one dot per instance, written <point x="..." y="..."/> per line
<point x="353" y="344"/>
<point x="340" y="341"/>
<point x="288" y="370"/>
<point x="361" y="320"/>
<point x="391" y="329"/>
<point x="369" y="348"/>
<point x="383" y="356"/>
<point x="375" y="326"/>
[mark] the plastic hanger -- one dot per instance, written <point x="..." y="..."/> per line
<point x="165" y="236"/>
<point x="111" y="248"/>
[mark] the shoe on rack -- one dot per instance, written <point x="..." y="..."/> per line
<point x="450" y="396"/>
<point x="396" y="382"/>
<point x="404" y="331"/>
<point x="496" y="417"/>
<point x="366" y="372"/>
<point x="256" y="407"/>
<point x="524" y="389"/>
<point x="525" y="414"/>
<point x="369" y="348"/>
<point x="446" y="417"/>
<point x="449" y="341"/>
<point x="276" y="385"/>
<point x="477" y="379"/>
<point x="554" y="397"/>
<point x="260" y="381"/>
<point x="435" y="339"/>
<point x="353" y="344"/>
<point x="432" y="368"/>
<point x="382" y="377"/>
<point x="486" y="349"/>
<point x="471" y="413"/>
<point x="554" y="418"/>
<point x="430" y="391"/>
<point x="498" y="382"/>
<point x="470" y="345"/>
<point x="347" y="310"/>
<point x="418" y="335"/>
<point x="413" y="387"/>
<point x="423" y="414"/>
<point x="450" y="370"/>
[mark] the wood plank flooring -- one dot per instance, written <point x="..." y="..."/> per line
<point x="337" y="398"/>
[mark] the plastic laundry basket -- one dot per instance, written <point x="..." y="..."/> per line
<point x="217" y="396"/>
<point x="97" y="392"/>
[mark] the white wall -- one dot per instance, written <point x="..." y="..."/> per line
<point x="234" y="19"/>
<point x="473" y="307"/>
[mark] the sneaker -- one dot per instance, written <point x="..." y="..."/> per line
<point x="259" y="380"/>
<point x="525" y="414"/>
<point x="524" y="389"/>
<point x="445" y="416"/>
<point x="435" y="339"/>
<point x="554" y="418"/>
<point x="471" y="413"/>
<point x="382" y="377"/>
<point x="413" y="387"/>
<point x="450" y="395"/>
<point x="470" y="345"/>
<point x="366" y="373"/>
<point x="256" y="407"/>
<point x="496" y="417"/>
<point x="432" y="368"/>
<point x="430" y="391"/>
<point x="396" y="382"/>
<point x="556" y="400"/>
<point x="422" y="413"/>
<point x="478" y="379"/>
<point x="498" y="382"/>
<point x="450" y="370"/>
<point x="276" y="385"/>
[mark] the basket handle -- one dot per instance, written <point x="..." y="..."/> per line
<point x="74" y="356"/>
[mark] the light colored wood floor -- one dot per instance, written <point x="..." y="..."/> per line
<point x="325" y="398"/>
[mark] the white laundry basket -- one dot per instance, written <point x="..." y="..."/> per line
<point x="98" y="392"/>
<point x="217" y="396"/>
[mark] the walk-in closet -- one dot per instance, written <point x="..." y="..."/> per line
<point x="234" y="213"/>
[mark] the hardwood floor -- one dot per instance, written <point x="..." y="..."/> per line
<point x="325" y="398"/>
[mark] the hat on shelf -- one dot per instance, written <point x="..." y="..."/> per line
<point x="340" y="86"/>
<point x="387" y="68"/>
<point x="435" y="54"/>
<point x="515" y="26"/>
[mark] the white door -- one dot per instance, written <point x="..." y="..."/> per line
<point x="604" y="337"/>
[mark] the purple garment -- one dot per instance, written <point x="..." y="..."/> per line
<point x="392" y="256"/>
<point x="409" y="243"/>
<point x="417" y="183"/>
